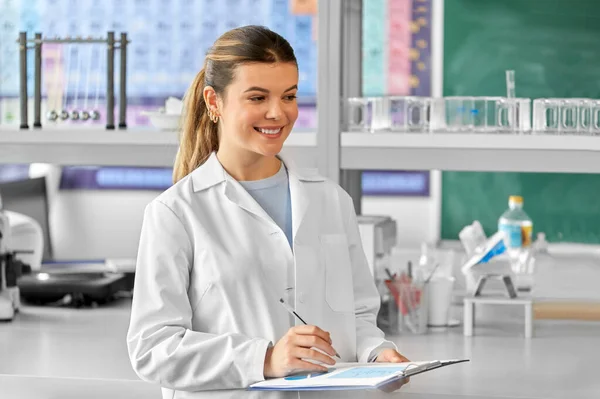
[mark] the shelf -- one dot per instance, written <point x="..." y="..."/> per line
<point x="379" y="151"/>
<point x="131" y="147"/>
<point x="470" y="152"/>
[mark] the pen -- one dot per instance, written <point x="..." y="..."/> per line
<point x="292" y="311"/>
<point x="432" y="272"/>
<point x="390" y="275"/>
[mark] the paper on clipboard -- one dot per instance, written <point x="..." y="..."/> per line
<point x="346" y="376"/>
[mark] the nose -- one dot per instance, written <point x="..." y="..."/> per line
<point x="275" y="112"/>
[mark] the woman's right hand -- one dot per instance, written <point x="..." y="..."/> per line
<point x="286" y="357"/>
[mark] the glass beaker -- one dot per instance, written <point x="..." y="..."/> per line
<point x="359" y="114"/>
<point x="459" y="113"/>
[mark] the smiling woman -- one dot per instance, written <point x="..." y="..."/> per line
<point x="242" y="231"/>
<point x="241" y="104"/>
<point x="256" y="114"/>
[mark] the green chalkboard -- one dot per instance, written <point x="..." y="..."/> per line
<point x="554" y="48"/>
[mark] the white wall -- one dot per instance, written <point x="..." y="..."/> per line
<point x="87" y="224"/>
<point x="92" y="224"/>
<point x="417" y="218"/>
<point x="97" y="224"/>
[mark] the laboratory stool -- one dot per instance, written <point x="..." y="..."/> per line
<point x="469" y="311"/>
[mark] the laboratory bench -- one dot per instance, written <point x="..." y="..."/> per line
<point x="81" y="353"/>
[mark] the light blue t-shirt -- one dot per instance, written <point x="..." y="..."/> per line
<point x="273" y="195"/>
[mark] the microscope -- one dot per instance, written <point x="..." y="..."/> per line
<point x="10" y="270"/>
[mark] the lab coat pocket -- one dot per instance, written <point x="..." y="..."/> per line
<point x="339" y="291"/>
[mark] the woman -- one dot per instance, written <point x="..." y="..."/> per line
<point x="241" y="229"/>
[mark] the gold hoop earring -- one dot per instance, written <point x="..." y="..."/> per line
<point x="213" y="116"/>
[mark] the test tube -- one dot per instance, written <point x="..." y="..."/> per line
<point x="510" y="83"/>
<point x="511" y="110"/>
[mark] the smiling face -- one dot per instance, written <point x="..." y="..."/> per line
<point x="258" y="110"/>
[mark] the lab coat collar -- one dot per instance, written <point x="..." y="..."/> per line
<point x="211" y="173"/>
<point x="302" y="174"/>
<point x="298" y="192"/>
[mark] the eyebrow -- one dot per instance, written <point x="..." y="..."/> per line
<point x="256" y="88"/>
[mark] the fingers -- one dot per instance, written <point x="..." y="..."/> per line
<point x="303" y="366"/>
<point x="312" y="330"/>
<point x="303" y="348"/>
<point x="398" y="358"/>
<point x="312" y="354"/>
<point x="394" y="386"/>
<point x="323" y="341"/>
<point x="391" y="356"/>
<point x="313" y="341"/>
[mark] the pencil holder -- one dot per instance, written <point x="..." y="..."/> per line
<point x="409" y="304"/>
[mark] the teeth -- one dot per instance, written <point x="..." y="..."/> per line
<point x="269" y="131"/>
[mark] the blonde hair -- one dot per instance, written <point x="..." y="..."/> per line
<point x="199" y="136"/>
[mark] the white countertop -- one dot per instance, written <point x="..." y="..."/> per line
<point x="73" y="353"/>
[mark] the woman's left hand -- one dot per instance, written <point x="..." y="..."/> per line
<point x="390" y="356"/>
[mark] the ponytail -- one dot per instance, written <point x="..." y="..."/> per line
<point x="199" y="135"/>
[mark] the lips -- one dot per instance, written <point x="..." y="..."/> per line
<point x="269" y="130"/>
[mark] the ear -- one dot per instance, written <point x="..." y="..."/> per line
<point x="211" y="99"/>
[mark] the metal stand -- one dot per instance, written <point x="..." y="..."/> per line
<point x="23" y="78"/>
<point x="37" y="85"/>
<point x="111" y="46"/>
<point x="469" y="311"/>
<point x="510" y="288"/>
<point x="123" y="85"/>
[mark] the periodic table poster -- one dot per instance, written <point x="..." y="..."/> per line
<point x="169" y="39"/>
<point x="396" y="48"/>
<point x="396" y="61"/>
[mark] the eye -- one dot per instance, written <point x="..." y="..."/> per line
<point x="257" y="98"/>
<point x="291" y="97"/>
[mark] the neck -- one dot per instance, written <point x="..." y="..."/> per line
<point x="248" y="166"/>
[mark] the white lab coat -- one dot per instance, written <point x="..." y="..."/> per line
<point x="212" y="266"/>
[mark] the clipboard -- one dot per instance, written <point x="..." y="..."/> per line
<point x="352" y="376"/>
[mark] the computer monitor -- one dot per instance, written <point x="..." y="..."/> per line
<point x="29" y="197"/>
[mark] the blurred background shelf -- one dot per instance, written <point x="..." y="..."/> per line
<point x="470" y="152"/>
<point x="364" y="151"/>
<point x="132" y="147"/>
